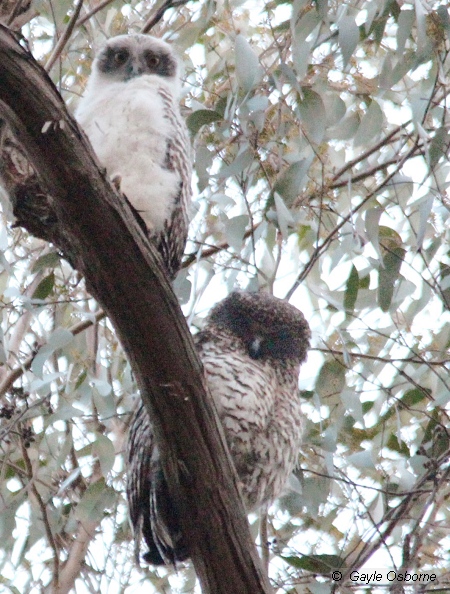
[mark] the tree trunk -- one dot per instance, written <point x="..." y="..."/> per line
<point x="94" y="227"/>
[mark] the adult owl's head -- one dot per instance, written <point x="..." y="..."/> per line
<point x="126" y="57"/>
<point x="269" y="328"/>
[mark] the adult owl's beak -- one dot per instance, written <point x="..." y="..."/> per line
<point x="255" y="347"/>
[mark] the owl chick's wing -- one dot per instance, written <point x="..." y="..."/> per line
<point x="172" y="240"/>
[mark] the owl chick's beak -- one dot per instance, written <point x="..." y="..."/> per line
<point x="134" y="70"/>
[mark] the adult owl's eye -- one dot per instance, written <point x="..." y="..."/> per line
<point x="120" y="57"/>
<point x="152" y="61"/>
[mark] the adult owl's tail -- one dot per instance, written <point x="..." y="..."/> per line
<point x="153" y="516"/>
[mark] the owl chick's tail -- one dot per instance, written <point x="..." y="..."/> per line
<point x="152" y="513"/>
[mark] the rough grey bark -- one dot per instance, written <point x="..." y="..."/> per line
<point x="80" y="212"/>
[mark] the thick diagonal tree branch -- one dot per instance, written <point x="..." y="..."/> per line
<point x="95" y="228"/>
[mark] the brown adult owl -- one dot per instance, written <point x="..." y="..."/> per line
<point x="251" y="348"/>
<point x="131" y="116"/>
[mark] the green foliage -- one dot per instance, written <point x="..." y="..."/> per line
<point x="45" y="287"/>
<point x="202" y="117"/>
<point x="322" y="564"/>
<point x="321" y="135"/>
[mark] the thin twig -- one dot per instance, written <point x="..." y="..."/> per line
<point x="264" y="538"/>
<point x="19" y="371"/>
<point x="18" y="9"/>
<point x="394" y="516"/>
<point x="5" y="432"/>
<point x="42" y="507"/>
<point x="365" y="174"/>
<point x="211" y="251"/>
<point x="324" y="245"/>
<point x="64" y="37"/>
<point x="369" y="152"/>
<point x="153" y="20"/>
<point x="91" y="13"/>
<point x="369" y="487"/>
<point x="440" y="363"/>
<point x="79" y="546"/>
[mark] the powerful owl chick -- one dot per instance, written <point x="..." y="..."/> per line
<point x="131" y="116"/>
<point x="251" y="348"/>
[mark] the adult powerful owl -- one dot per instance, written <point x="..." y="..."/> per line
<point x="131" y="115"/>
<point x="251" y="348"/>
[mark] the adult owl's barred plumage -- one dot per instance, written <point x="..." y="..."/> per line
<point x="251" y="348"/>
<point x="148" y="497"/>
<point x="130" y="114"/>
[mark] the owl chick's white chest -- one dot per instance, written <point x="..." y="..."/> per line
<point x="128" y="127"/>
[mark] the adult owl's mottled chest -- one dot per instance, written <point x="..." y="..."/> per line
<point x="258" y="403"/>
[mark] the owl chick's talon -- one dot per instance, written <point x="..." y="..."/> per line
<point x="116" y="181"/>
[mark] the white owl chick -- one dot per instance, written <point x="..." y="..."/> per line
<point x="131" y="116"/>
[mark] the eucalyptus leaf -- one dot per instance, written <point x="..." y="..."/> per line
<point x="58" y="339"/>
<point x="351" y="290"/>
<point x="322" y="564"/>
<point x="289" y="183"/>
<point x="371" y="125"/>
<point x="312" y="113"/>
<point x="182" y="286"/>
<point x="372" y="227"/>
<point x="284" y="217"/>
<point x="50" y="260"/>
<point x="348" y="37"/>
<point x="315" y="493"/>
<point x="103" y="449"/>
<point x="65" y="412"/>
<point x="335" y="109"/>
<point x="248" y="70"/>
<point x="234" y="230"/>
<point x="421" y="16"/>
<point x="331" y="379"/>
<point x="404" y="28"/>
<point x="202" y="117"/>
<point x="97" y="498"/>
<point x="236" y="167"/>
<point x="45" y="287"/>
<point x="299" y="51"/>
<point x="306" y="25"/>
<point x="345" y="128"/>
<point x="362" y="459"/>
<point x="439" y="146"/>
<point x="203" y="163"/>
<point x="388" y="276"/>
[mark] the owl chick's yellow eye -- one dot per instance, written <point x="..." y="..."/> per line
<point x="120" y="57"/>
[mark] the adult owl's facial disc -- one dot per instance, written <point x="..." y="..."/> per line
<point x="127" y="56"/>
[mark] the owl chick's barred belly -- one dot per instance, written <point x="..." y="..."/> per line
<point x="251" y="348"/>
